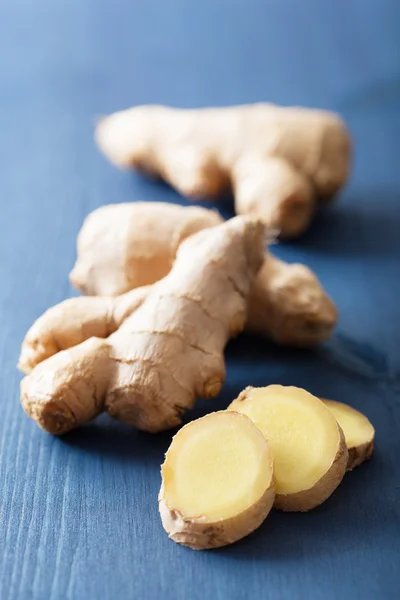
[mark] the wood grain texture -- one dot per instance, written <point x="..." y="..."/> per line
<point x="78" y="515"/>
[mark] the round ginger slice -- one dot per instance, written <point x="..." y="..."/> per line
<point x="217" y="481"/>
<point x="358" y="431"/>
<point x="308" y="446"/>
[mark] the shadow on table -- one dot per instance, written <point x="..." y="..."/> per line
<point x="157" y="190"/>
<point x="104" y="436"/>
<point x="364" y="226"/>
<point x="354" y="516"/>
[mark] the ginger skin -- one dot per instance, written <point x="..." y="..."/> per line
<point x="217" y="481"/>
<point x="168" y="340"/>
<point x="358" y="431"/>
<point x="124" y="246"/>
<point x="279" y="162"/>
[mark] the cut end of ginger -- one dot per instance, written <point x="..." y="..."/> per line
<point x="310" y="455"/>
<point x="358" y="431"/>
<point x="218" y="481"/>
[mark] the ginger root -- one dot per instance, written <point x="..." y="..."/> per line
<point x="168" y="340"/>
<point x="217" y="481"/>
<point x="308" y="445"/>
<point x="279" y="162"/>
<point x="358" y="431"/>
<point x="123" y="246"/>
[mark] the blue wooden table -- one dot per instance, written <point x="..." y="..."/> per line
<point x="78" y="515"/>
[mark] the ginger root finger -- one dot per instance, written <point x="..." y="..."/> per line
<point x="167" y="352"/>
<point x="217" y="481"/>
<point x="289" y="305"/>
<point x="122" y="246"/>
<point x="129" y="245"/>
<point x="73" y="321"/>
<point x="310" y="454"/>
<point x="276" y="190"/>
<point x="278" y="161"/>
<point x="68" y="389"/>
<point x="358" y="431"/>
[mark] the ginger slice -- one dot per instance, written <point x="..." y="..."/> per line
<point x="217" y="481"/>
<point x="310" y="454"/>
<point x="358" y="431"/>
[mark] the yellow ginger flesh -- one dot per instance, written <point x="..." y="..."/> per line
<point x="308" y="446"/>
<point x="218" y="482"/>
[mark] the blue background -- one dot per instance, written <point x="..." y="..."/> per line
<point x="78" y="515"/>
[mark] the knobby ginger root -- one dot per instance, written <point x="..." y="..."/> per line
<point x="217" y="481"/>
<point x="123" y="246"/>
<point x="278" y="161"/>
<point x="167" y="352"/>
<point x="75" y="320"/>
<point x="358" y="432"/>
<point x="308" y="446"/>
<point x="288" y="304"/>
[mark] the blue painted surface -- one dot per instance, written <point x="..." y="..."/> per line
<point x="78" y="515"/>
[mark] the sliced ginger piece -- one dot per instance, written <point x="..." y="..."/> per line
<point x="217" y="481"/>
<point x="308" y="446"/>
<point x="358" y="431"/>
